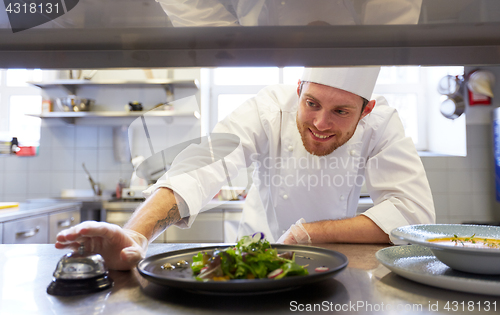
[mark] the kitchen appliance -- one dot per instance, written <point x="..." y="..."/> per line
<point x="80" y="272"/>
<point x="132" y="193"/>
<point x="72" y="103"/>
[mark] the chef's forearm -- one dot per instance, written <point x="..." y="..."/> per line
<point x="359" y="229"/>
<point x="159" y="211"/>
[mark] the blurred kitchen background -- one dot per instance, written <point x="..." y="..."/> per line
<point x="457" y="153"/>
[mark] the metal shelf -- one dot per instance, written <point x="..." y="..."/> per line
<point x="72" y="85"/>
<point x="119" y="117"/>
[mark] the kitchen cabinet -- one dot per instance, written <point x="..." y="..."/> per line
<point x="60" y="221"/>
<point x="37" y="222"/>
<point x="33" y="230"/>
<point x="208" y="227"/>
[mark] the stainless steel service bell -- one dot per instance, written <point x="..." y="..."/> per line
<point x="80" y="272"/>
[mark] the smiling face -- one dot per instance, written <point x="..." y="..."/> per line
<point x="327" y="117"/>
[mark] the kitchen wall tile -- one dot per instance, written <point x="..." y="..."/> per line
<point x="461" y="204"/>
<point x="106" y="161"/>
<point x="109" y="180"/>
<point x="61" y="180"/>
<point x="39" y="183"/>
<point x="87" y="156"/>
<point x="483" y="205"/>
<point x="2" y="162"/>
<point x="41" y="162"/>
<point x="460" y="181"/>
<point x="434" y="162"/>
<point x="459" y="162"/>
<point x="483" y="181"/>
<point x="460" y="219"/>
<point x="479" y="136"/>
<point x="127" y="171"/>
<point x="14" y="164"/>
<point x="2" y="185"/>
<point x="45" y="136"/>
<point x="36" y="196"/>
<point x="63" y="159"/>
<point x="62" y="136"/>
<point x="82" y="180"/>
<point x="438" y="180"/>
<point x="15" y="197"/>
<point x="86" y="136"/>
<point x="15" y="183"/>
<point x="441" y="204"/>
<point x="105" y="137"/>
<point x="442" y="219"/>
<point x="481" y="159"/>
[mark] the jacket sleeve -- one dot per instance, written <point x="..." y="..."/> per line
<point x="395" y="177"/>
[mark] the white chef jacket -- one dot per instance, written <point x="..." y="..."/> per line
<point x="289" y="183"/>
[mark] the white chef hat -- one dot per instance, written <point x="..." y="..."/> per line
<point x="357" y="80"/>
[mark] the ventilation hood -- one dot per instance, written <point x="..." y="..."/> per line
<point x="207" y="33"/>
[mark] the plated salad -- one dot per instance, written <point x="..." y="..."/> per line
<point x="251" y="258"/>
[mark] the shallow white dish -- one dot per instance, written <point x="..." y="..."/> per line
<point x="474" y="260"/>
<point x="417" y="263"/>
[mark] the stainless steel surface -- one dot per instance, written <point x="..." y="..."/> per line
<point x="37" y="208"/>
<point x="80" y="264"/>
<point x="472" y="44"/>
<point x="60" y="221"/>
<point x="72" y="86"/>
<point x="33" y="230"/>
<point x="26" y="271"/>
<point x="139" y="34"/>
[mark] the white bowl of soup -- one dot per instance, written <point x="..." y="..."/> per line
<point x="466" y="248"/>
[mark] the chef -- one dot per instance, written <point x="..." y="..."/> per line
<point x="313" y="146"/>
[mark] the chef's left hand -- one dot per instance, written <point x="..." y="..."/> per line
<point x="296" y="234"/>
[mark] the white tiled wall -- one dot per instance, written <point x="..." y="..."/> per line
<point x="463" y="187"/>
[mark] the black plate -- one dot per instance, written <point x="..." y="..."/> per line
<point x="150" y="268"/>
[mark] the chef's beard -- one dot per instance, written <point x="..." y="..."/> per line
<point x="318" y="148"/>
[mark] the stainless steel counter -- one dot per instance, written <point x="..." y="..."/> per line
<point x="26" y="271"/>
<point x="35" y="208"/>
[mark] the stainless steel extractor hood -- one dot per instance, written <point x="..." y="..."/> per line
<point x="144" y="33"/>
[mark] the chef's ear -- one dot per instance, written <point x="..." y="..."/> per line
<point x="299" y="88"/>
<point x="368" y="108"/>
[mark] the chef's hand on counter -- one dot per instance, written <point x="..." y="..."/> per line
<point x="296" y="234"/>
<point x="120" y="248"/>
